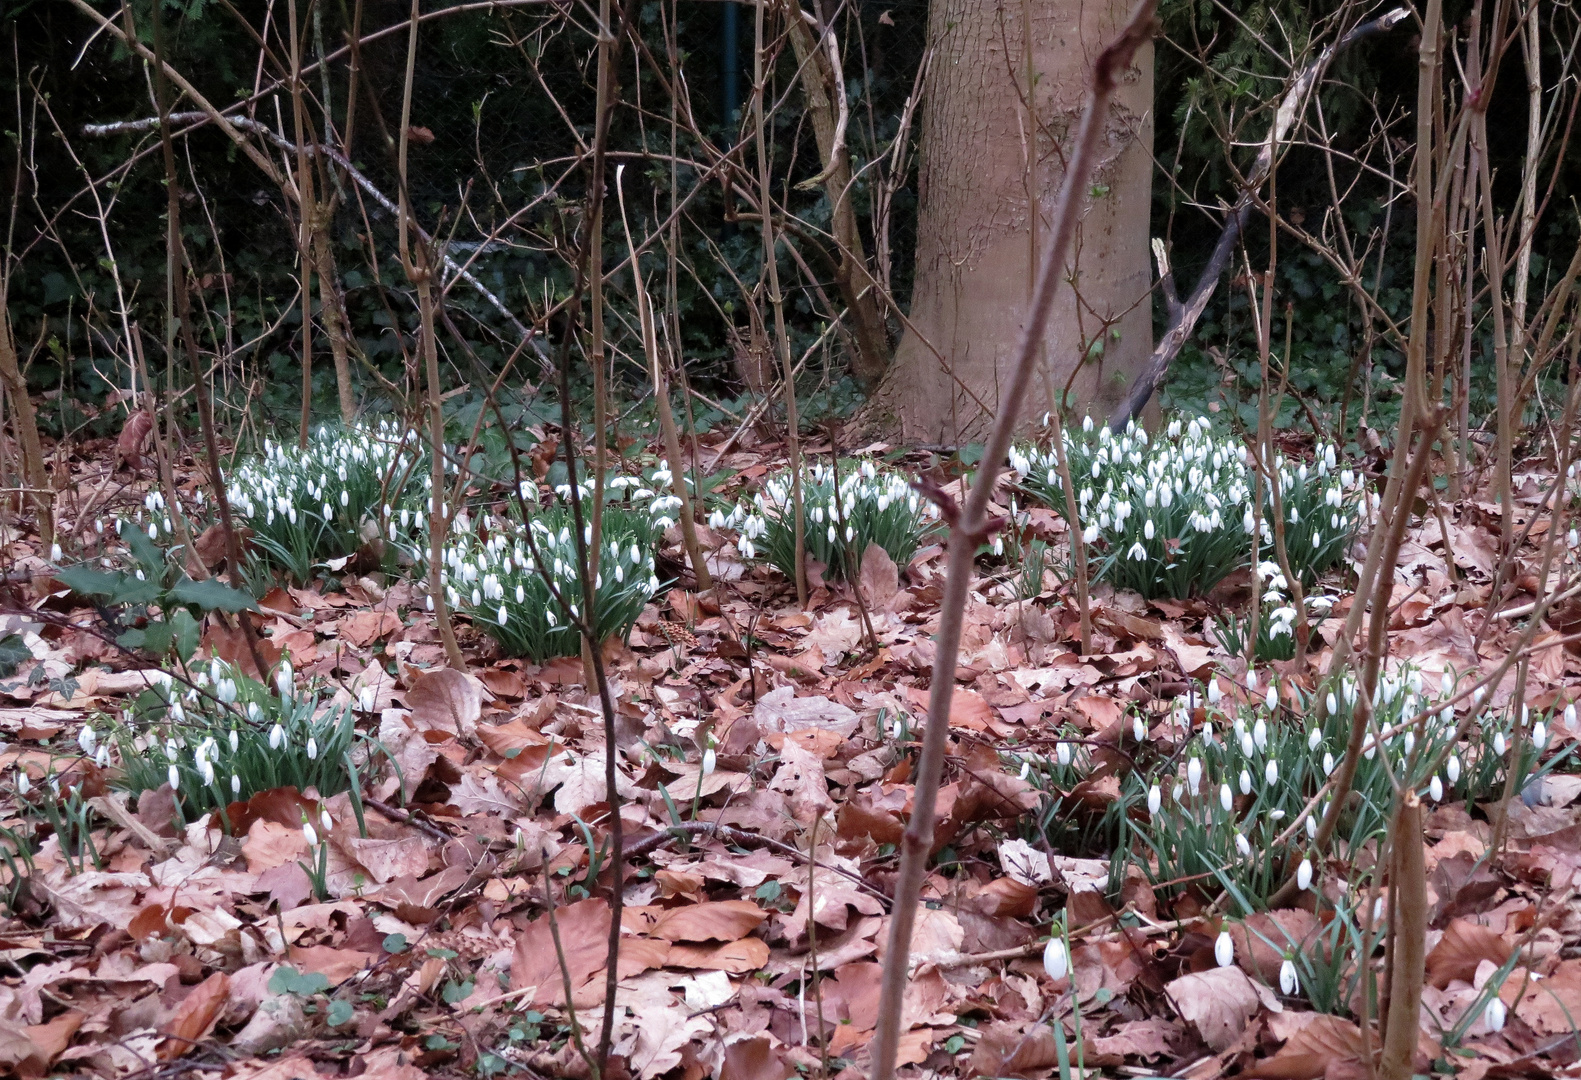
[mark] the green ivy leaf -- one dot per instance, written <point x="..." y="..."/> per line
<point x="212" y="595"/>
<point x="339" y="1013"/>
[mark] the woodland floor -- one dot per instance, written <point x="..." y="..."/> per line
<point x="436" y="954"/>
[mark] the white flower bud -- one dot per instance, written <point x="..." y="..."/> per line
<point x="1055" y="960"/>
<point x="1289" y="985"/>
<point x="1224" y="949"/>
<point x="1304" y="875"/>
<point x="1155" y="799"/>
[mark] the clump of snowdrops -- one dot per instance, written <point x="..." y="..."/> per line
<point x="1172" y="516"/>
<point x="495" y="569"/>
<point x="1229" y="811"/>
<point x="1276" y="623"/>
<point x="347" y="488"/>
<point x="869" y="506"/>
<point x="223" y="737"/>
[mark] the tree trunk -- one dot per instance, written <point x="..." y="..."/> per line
<point x="975" y="244"/>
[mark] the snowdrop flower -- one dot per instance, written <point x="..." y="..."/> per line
<point x="1243" y="845"/>
<point x="324" y="819"/>
<point x="309" y="834"/>
<point x="1289" y="985"/>
<point x="282" y="680"/>
<point x="312" y="748"/>
<point x="1312" y="827"/>
<point x="710" y="760"/>
<point x="206" y="771"/>
<point x="1224" y="949"/>
<point x="23" y="783"/>
<point x="366" y="699"/>
<point x="276" y="737"/>
<point x="1139" y="729"/>
<point x="1304" y="875"/>
<point x="1026" y="769"/>
<point x="1194" y="774"/>
<point x="175" y="778"/>
<point x="226" y="691"/>
<point x="1246" y="782"/>
<point x="102" y="758"/>
<point x="1273" y="698"/>
<point x="1062" y="753"/>
<point x="1155" y="799"/>
<point x="1314" y="738"/>
<point x="1137" y="552"/>
<point x="235" y="741"/>
<point x="1248" y="747"/>
<point x="236" y="785"/>
<point x="1499" y="745"/>
<point x="1328" y="763"/>
<point x="1452" y="768"/>
<point x="1226" y="798"/>
<point x="1055" y="960"/>
<point x="1260" y="734"/>
<point x="1251" y="680"/>
<point x="1570" y="715"/>
<point x="1214" y="693"/>
<point x="1495" y="1014"/>
<point x="1333" y="705"/>
<point x="1271" y="772"/>
<point x="87" y="739"/>
<point x="55" y="554"/>
<point x="1539" y="735"/>
<point x="254" y="713"/>
<point x="1435" y="789"/>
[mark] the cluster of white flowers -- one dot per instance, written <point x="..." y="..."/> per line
<point x="340" y="478"/>
<point x="492" y="575"/>
<point x="155" y="518"/>
<point x="1172" y="503"/>
<point x="652" y="495"/>
<point x="869" y="505"/>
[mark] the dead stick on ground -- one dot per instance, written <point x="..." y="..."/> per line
<point x="969" y="526"/>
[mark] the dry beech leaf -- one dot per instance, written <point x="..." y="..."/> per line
<point x="195" y="1015"/>
<point x="736" y="957"/>
<point x="1219" y="1002"/>
<point x="1465" y="944"/>
<point x="1327" y="1047"/>
<point x="446" y="700"/>
<point x="722" y="920"/>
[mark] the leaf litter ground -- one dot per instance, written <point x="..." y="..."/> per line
<point x="752" y="938"/>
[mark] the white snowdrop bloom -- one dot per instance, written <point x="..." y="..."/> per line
<point x="1495" y="1014"/>
<point x="312" y="748"/>
<point x="1435" y="789"/>
<point x="282" y="680"/>
<point x="1248" y="748"/>
<point x="1139" y="729"/>
<point x="1147" y="528"/>
<point x="276" y="737"/>
<point x="174" y="776"/>
<point x="102" y="758"/>
<point x="1312" y="827"/>
<point x="710" y="759"/>
<point x="1243" y="845"/>
<point x="1271" y="772"/>
<point x="1408" y="743"/>
<point x="1137" y="553"/>
<point x="1314" y="738"/>
<point x="87" y="739"/>
<point x="1055" y="960"/>
<point x="236" y="784"/>
<point x="1333" y="705"/>
<point x="1026" y="769"/>
<point x="1194" y="774"/>
<point x="309" y="834"/>
<point x="1062" y="753"/>
<point x="1273" y="698"/>
<point x="1155" y="799"/>
<point x="502" y="617"/>
<point x="1246" y="782"/>
<point x="1570" y="715"/>
<point x="1304" y="875"/>
<point x="1260" y="734"/>
<point x="1328" y="764"/>
<point x="206" y="771"/>
<point x="1499" y="745"/>
<point x="1289" y="984"/>
<point x="1089" y="534"/>
<point x="1251" y="680"/>
<point x="1224" y="949"/>
<point x="1452" y="768"/>
<point x="1226" y="798"/>
<point x="1215" y="694"/>
<point x="1539" y="735"/>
